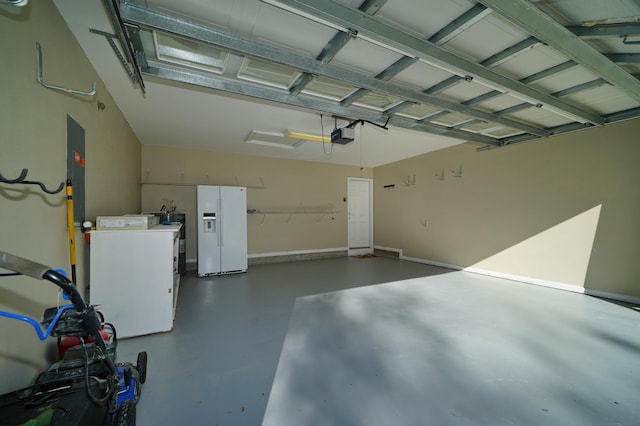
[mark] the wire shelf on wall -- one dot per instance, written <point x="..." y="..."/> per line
<point x="252" y="211"/>
<point x="291" y="212"/>
<point x="147" y="182"/>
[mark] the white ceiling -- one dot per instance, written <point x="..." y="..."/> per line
<point x="172" y="113"/>
<point x="178" y="115"/>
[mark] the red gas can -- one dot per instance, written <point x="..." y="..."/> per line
<point x="68" y="342"/>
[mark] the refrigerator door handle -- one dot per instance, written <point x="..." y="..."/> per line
<point x="220" y="209"/>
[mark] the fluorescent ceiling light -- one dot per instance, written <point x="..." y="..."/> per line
<point x="273" y="144"/>
<point x="307" y="136"/>
<point x="288" y="140"/>
<point x="276" y="140"/>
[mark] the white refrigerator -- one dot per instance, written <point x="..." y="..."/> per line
<point x="222" y="229"/>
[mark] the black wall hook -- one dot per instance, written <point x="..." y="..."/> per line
<point x="16" y="180"/>
<point x="21" y="179"/>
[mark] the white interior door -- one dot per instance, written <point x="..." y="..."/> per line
<point x="360" y="215"/>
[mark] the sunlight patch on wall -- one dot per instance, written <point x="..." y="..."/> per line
<point x="560" y="254"/>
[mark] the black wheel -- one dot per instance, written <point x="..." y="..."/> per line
<point x="141" y="366"/>
<point x="126" y="414"/>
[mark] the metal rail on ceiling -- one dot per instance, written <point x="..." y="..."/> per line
<point x="362" y="22"/>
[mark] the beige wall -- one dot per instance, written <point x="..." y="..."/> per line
<point x="562" y="210"/>
<point x="33" y="122"/>
<point x="280" y="185"/>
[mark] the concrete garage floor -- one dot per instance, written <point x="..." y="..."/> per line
<point x="382" y="341"/>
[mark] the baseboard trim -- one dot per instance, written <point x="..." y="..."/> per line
<point x="389" y="251"/>
<point x="296" y="255"/>
<point x="359" y="251"/>
<point x="191" y="264"/>
<point x="613" y="296"/>
<point x="523" y="279"/>
<point x="558" y="285"/>
<point x="528" y="280"/>
<point x="432" y="263"/>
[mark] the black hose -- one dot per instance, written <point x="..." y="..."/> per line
<point x="111" y="387"/>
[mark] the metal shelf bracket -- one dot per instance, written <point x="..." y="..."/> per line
<point x="54" y="87"/>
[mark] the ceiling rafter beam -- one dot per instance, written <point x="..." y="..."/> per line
<point x="461" y="23"/>
<point x="433" y="90"/>
<point x="384" y="75"/>
<point x="337" y="42"/>
<point x="530" y="79"/>
<point x="606" y="30"/>
<point x="229" y="85"/>
<point x="561" y="93"/>
<point x="484" y="97"/>
<point x="529" y="18"/>
<point x="407" y="123"/>
<point x="623" y="115"/>
<point x="433" y="116"/>
<point x="515" y="108"/>
<point x="372" y="6"/>
<point x="491" y="61"/>
<point x="397" y="107"/>
<point x="571" y="127"/>
<point x="193" y="31"/>
<point x="540" y="75"/>
<point x="448" y="32"/>
<point x="373" y="28"/>
<point x="465" y="123"/>
<point x="443" y="85"/>
<point x="326" y="55"/>
<point x="393" y="69"/>
<point x="624" y="58"/>
<point x="510" y="52"/>
<point x="581" y="87"/>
